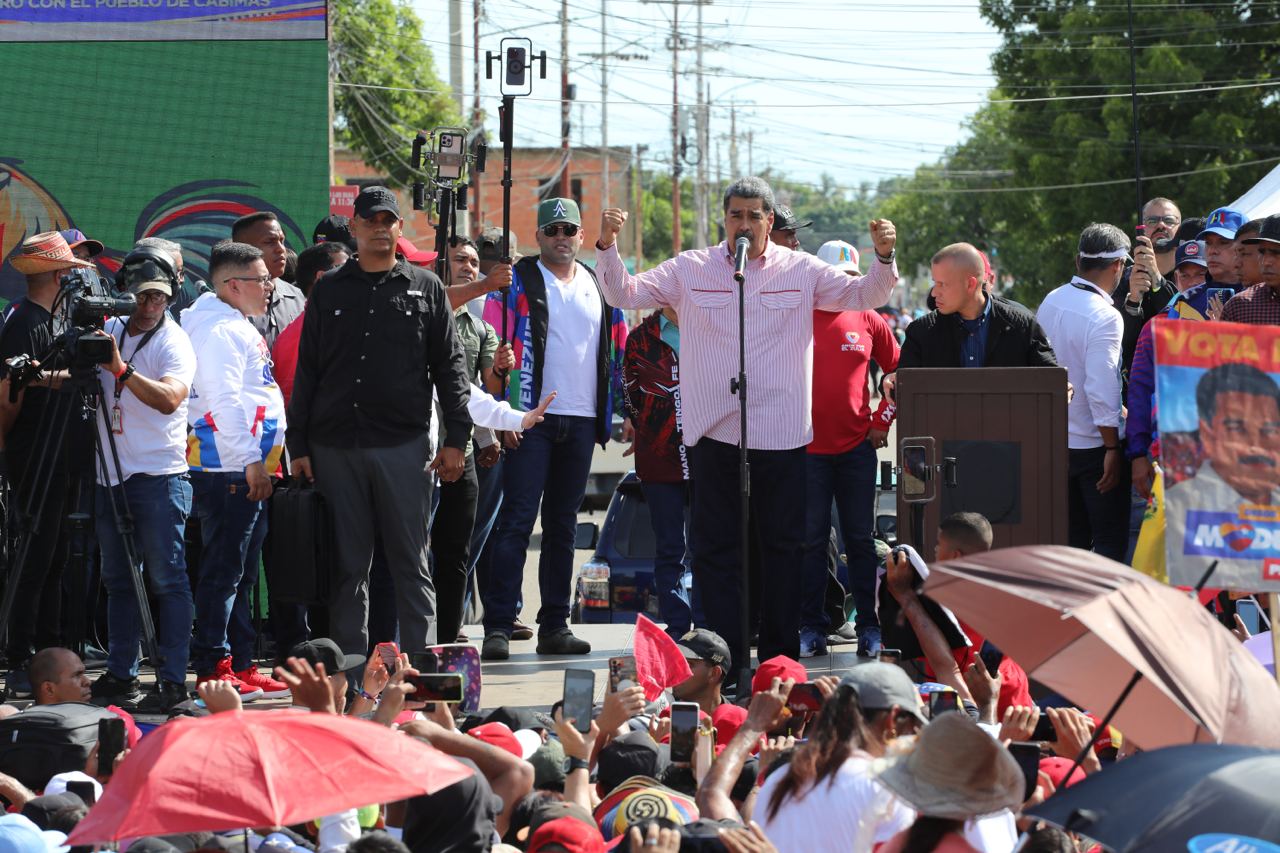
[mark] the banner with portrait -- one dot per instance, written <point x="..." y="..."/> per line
<point x="1218" y="402"/>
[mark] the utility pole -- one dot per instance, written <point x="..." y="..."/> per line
<point x="751" y="152"/>
<point x="675" y="128"/>
<point x="700" y="127"/>
<point x="564" y="99"/>
<point x="455" y="53"/>
<point x="604" y="104"/>
<point x="637" y="207"/>
<point x="476" y="123"/>
<point x="733" y="142"/>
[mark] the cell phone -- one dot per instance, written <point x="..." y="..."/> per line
<point x="1044" y="729"/>
<point x="1222" y="294"/>
<point x="389" y="652"/>
<point x="684" y="731"/>
<point x="622" y="673"/>
<point x="579" y="690"/>
<point x="424" y="662"/>
<point x="1247" y="610"/>
<point x="992" y="657"/>
<point x="86" y="791"/>
<point x="889" y="656"/>
<point x="1028" y="757"/>
<point x="805" y="697"/>
<point x="942" y="701"/>
<point x="110" y="743"/>
<point x="436" y="686"/>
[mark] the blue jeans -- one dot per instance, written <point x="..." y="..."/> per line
<point x="233" y="529"/>
<point x="668" y="504"/>
<point x="159" y="505"/>
<point x="550" y="466"/>
<point x="849" y="479"/>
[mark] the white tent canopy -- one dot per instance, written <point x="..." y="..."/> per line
<point x="1263" y="199"/>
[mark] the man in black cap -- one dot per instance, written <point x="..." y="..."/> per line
<point x="709" y="661"/>
<point x="785" y="226"/>
<point x="334" y="228"/>
<point x="377" y="338"/>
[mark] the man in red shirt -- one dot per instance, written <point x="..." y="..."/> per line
<point x="841" y="461"/>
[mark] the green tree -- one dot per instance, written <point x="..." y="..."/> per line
<point x="378" y="43"/>
<point x="981" y="190"/>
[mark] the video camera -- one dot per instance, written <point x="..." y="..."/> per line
<point x="90" y="306"/>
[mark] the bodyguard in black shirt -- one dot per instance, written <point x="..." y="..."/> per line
<point x="377" y="337"/>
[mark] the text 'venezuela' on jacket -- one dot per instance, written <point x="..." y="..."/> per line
<point x="372" y="347"/>
<point x="1014" y="339"/>
<point x="527" y="319"/>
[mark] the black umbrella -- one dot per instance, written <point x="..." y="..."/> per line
<point x="1201" y="797"/>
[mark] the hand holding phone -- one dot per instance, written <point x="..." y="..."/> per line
<point x="110" y="744"/>
<point x="684" y="728"/>
<point x="1028" y="757"/>
<point x="622" y="673"/>
<point x="805" y="698"/>
<point x="436" y="686"/>
<point x="579" y="697"/>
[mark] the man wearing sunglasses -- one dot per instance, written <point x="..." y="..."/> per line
<point x="144" y="392"/>
<point x="566" y="338"/>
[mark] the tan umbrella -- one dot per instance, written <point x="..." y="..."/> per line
<point x="1084" y="625"/>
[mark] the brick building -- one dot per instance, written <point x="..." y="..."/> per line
<point x="531" y="169"/>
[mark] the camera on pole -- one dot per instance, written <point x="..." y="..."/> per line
<point x="442" y="159"/>
<point x="516" y="57"/>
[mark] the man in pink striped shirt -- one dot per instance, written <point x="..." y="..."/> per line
<point x="783" y="288"/>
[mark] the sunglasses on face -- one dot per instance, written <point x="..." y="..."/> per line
<point x="568" y="229"/>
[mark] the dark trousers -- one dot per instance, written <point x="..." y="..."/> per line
<point x="550" y="468"/>
<point x="850" y="480"/>
<point x="455" y="516"/>
<point x="1096" y="521"/>
<point x="36" y="619"/>
<point x="668" y="515"/>
<point x="232" y="529"/>
<point x="777" y="520"/>
<point x="488" y="502"/>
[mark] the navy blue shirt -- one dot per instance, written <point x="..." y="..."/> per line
<point x="973" y="346"/>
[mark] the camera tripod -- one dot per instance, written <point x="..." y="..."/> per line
<point x="30" y="499"/>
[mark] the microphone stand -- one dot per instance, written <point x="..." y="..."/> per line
<point x="738" y="386"/>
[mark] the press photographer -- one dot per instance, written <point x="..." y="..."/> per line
<point x="144" y="393"/>
<point x="30" y="332"/>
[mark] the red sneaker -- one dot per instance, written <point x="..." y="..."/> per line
<point x="222" y="672"/>
<point x="271" y="689"/>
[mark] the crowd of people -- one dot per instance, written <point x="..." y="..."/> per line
<point x="437" y="441"/>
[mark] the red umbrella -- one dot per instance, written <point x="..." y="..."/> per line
<point x="259" y="769"/>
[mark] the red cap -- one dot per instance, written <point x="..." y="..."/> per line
<point x="413" y="254"/>
<point x="781" y="667"/>
<point x="497" y="734"/>
<point x="567" y="832"/>
<point x="727" y="719"/>
<point x="1056" y="767"/>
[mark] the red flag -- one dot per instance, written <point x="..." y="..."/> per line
<point x="659" y="662"/>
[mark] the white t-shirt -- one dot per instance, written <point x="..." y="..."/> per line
<point x="850" y="815"/>
<point x="148" y="442"/>
<point x="573" y="342"/>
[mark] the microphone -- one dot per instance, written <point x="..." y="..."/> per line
<point x="740" y="258"/>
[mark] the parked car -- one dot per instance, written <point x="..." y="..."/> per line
<point x="616" y="583"/>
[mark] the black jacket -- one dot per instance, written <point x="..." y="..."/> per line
<point x="373" y="347"/>
<point x="1014" y="339"/>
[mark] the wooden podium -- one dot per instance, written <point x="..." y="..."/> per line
<point x="1006" y="430"/>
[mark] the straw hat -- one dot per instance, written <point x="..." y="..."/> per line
<point x="956" y="770"/>
<point x="46" y="252"/>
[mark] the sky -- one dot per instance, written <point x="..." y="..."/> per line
<point x="860" y="90"/>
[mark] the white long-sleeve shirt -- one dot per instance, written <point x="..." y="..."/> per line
<point x="1085" y="330"/>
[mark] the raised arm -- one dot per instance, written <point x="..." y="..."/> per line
<point x="656" y="288"/>
<point x="839" y="291"/>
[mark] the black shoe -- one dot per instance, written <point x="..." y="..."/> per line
<point x="169" y="694"/>
<point x="110" y="690"/>
<point x="562" y="642"/>
<point x="497" y="646"/>
<point x="521" y="631"/>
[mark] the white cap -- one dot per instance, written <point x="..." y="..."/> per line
<point x="839" y="254"/>
<point x="529" y="741"/>
<point x="58" y="784"/>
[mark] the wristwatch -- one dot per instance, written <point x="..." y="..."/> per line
<point x="571" y="764"/>
<point x="893" y="253"/>
<point x="125" y="374"/>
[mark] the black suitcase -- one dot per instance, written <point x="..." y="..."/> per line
<point x="45" y="740"/>
<point x="303" y="546"/>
